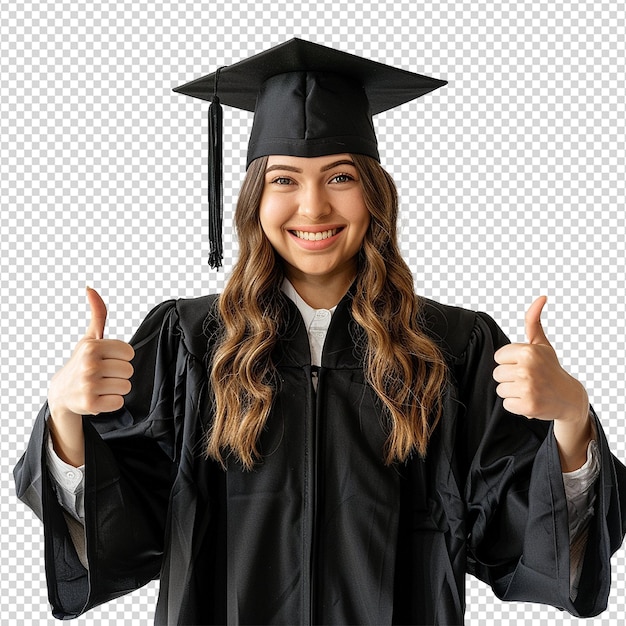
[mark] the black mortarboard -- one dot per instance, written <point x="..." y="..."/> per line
<point x="308" y="100"/>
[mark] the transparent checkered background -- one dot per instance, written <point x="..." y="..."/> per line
<point x="511" y="178"/>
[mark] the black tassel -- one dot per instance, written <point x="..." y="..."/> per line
<point x="215" y="182"/>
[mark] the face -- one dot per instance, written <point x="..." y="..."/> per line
<point x="314" y="215"/>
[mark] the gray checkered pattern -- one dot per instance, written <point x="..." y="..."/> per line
<point x="511" y="178"/>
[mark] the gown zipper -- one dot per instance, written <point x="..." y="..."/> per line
<point x="314" y="492"/>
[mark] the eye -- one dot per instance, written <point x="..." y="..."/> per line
<point x="341" y="178"/>
<point x="281" y="180"/>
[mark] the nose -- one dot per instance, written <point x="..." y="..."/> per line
<point x="314" y="203"/>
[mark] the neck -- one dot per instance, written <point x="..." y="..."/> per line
<point x="321" y="292"/>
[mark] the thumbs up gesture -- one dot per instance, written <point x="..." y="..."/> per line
<point x="531" y="379"/>
<point x="96" y="377"/>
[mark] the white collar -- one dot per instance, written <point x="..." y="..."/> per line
<point x="316" y="323"/>
<point x="309" y="314"/>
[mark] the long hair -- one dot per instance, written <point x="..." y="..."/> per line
<point x="402" y="364"/>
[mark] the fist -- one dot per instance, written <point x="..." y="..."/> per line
<point x="531" y="379"/>
<point x="97" y="376"/>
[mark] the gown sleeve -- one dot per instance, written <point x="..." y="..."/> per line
<point x="130" y="460"/>
<point x="518" y="536"/>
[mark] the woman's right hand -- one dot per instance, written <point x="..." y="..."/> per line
<point x="94" y="380"/>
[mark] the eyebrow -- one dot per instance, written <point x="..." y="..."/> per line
<point x="290" y="168"/>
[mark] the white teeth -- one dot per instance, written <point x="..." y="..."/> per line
<point x="307" y="236"/>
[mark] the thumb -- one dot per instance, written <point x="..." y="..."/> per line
<point x="98" y="315"/>
<point x="534" y="329"/>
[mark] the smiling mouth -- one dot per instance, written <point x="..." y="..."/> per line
<point x="319" y="236"/>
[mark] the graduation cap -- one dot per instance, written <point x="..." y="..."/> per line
<point x="308" y="100"/>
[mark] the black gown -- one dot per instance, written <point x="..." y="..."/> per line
<point x="321" y="531"/>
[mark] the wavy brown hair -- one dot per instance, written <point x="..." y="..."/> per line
<point x="401" y="363"/>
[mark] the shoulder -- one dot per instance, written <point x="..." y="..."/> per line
<point x="198" y="322"/>
<point x="192" y="320"/>
<point x="456" y="329"/>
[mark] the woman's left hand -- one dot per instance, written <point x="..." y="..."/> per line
<point x="532" y="381"/>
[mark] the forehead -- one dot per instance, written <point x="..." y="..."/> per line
<point x="308" y="163"/>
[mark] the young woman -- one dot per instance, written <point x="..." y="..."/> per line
<point x="318" y="444"/>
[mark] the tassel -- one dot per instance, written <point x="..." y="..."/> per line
<point x="215" y="180"/>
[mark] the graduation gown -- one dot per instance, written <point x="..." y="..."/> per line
<point x="321" y="531"/>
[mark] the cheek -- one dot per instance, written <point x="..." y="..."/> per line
<point x="366" y="222"/>
<point x="271" y="219"/>
<point x="266" y="215"/>
<point x="361" y="219"/>
<point x="272" y="213"/>
<point x="357" y="209"/>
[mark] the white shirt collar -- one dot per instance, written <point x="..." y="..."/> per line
<point x="316" y="321"/>
<point x="307" y="311"/>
